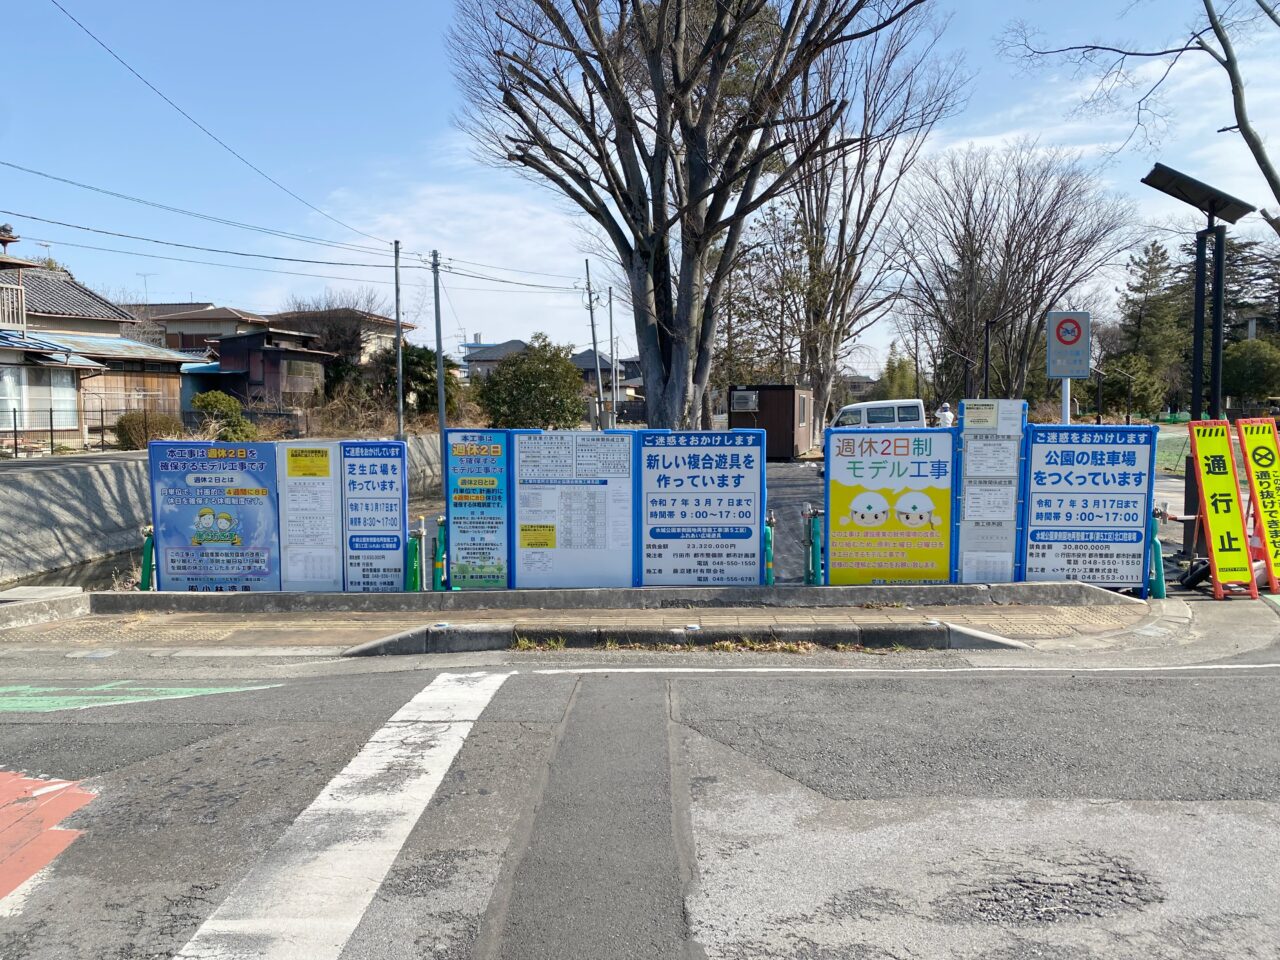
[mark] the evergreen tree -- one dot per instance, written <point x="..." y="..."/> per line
<point x="897" y="379"/>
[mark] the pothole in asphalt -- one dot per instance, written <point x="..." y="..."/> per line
<point x="1041" y="888"/>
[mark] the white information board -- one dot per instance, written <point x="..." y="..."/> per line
<point x="310" y="515"/>
<point x="574" y="493"/>
<point x="991" y="465"/>
<point x="1088" y="504"/>
<point x="703" y="500"/>
<point x="375" y="515"/>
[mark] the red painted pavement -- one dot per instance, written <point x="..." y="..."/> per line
<point x="30" y="811"/>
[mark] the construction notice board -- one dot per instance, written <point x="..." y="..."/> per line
<point x="702" y="496"/>
<point x="1262" y="466"/>
<point x="991" y="471"/>
<point x="477" y="506"/>
<point x="375" y="520"/>
<point x="1221" y="514"/>
<point x="574" y="494"/>
<point x="214" y="511"/>
<point x="1089" y="495"/>
<point x="310" y="515"/>
<point x="889" y="504"/>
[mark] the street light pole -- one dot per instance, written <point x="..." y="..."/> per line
<point x="595" y="348"/>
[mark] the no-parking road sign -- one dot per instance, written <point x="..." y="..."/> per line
<point x="1068" y="336"/>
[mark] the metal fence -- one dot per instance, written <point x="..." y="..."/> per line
<point x="53" y="430"/>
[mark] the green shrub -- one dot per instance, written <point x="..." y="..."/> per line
<point x="224" y="413"/>
<point x="218" y="405"/>
<point x="238" y="429"/>
<point x="134" y="430"/>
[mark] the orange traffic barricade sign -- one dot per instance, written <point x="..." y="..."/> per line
<point x="1221" y="513"/>
<point x="1261" y="449"/>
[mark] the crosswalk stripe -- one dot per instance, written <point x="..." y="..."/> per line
<point x="304" y="899"/>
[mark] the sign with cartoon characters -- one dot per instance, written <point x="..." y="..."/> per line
<point x="214" y="510"/>
<point x="889" y="506"/>
<point x="478" y="504"/>
<point x="702" y="496"/>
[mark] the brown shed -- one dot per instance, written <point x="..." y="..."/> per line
<point x="783" y="411"/>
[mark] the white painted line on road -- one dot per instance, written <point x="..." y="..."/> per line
<point x="913" y="671"/>
<point x="304" y="899"/>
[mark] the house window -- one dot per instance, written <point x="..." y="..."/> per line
<point x="10" y="397"/>
<point x="804" y="409"/>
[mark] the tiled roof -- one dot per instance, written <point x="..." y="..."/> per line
<point x="586" y="360"/>
<point x="153" y="311"/>
<point x="55" y="294"/>
<point x="211" y="313"/>
<point x="373" y="319"/>
<point x="497" y="351"/>
<point x="114" y="348"/>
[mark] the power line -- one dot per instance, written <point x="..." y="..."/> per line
<point x="516" y="283"/>
<point x="206" y="131"/>
<point x="287" y="273"/>
<point x="270" y="231"/>
<point x="532" y="273"/>
<point x="190" y="246"/>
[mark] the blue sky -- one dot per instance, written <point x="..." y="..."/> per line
<point x="351" y="108"/>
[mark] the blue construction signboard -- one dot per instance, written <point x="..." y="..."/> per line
<point x="477" y="506"/>
<point x="214" y="509"/>
<point x="375" y="515"/>
<point x="703" y="501"/>
<point x="1089" y="504"/>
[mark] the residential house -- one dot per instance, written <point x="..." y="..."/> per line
<point x="67" y="362"/>
<point x="195" y="327"/>
<point x="585" y="361"/>
<point x="377" y="333"/>
<point x="264" y="367"/>
<point x="481" y="358"/>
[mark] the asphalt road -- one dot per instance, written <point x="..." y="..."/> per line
<point x="568" y="806"/>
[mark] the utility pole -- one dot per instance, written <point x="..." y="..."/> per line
<point x="595" y="348"/>
<point x="399" y="351"/>
<point x="613" y="366"/>
<point x="440" y="417"/>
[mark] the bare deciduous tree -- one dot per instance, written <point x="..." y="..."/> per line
<point x="666" y="122"/>
<point x="1221" y="27"/>
<point x="1000" y="237"/>
<point x="845" y="276"/>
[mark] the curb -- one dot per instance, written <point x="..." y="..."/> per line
<point x="445" y="637"/>
<point x="26" y="613"/>
<point x="1070" y="593"/>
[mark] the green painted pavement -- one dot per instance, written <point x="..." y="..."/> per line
<point x="31" y="698"/>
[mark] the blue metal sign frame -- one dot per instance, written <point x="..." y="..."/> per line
<point x="1034" y="431"/>
<point x="864" y="431"/>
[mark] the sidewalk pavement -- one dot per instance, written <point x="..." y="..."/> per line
<point x="499" y="629"/>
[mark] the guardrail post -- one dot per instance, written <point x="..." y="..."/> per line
<point x="51" y="431"/>
<point x="1156" y="584"/>
<point x="148" y="562"/>
<point x="813" y="543"/>
<point x="440" y="544"/>
<point x="768" y="549"/>
<point x="15" y="433"/>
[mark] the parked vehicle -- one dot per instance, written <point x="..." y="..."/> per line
<point x="882" y="413"/>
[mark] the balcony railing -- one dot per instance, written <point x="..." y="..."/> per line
<point x="13" y="307"/>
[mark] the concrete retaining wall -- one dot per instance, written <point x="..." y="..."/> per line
<point x="424" y="466"/>
<point x="56" y="516"/>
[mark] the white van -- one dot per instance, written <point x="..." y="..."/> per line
<point x="882" y="413"/>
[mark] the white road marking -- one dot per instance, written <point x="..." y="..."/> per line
<point x="304" y="899"/>
<point x="916" y="671"/>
